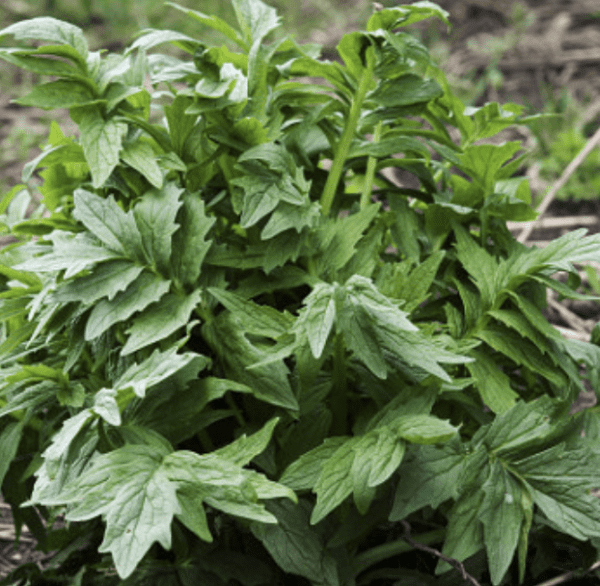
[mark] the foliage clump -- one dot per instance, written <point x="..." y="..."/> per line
<point x="235" y="350"/>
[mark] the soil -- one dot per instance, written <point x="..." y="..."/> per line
<point x="560" y="47"/>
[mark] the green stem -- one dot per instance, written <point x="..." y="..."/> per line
<point x="205" y="440"/>
<point x="365" y="197"/>
<point x="373" y="556"/>
<point x="339" y="396"/>
<point x="236" y="410"/>
<point x="337" y="167"/>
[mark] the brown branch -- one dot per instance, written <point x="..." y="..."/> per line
<point x="571" y="168"/>
<point x="571" y="319"/>
<point x="454" y="563"/>
<point x="564" y="577"/>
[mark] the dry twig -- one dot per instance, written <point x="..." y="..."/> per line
<point x="572" y="319"/>
<point x="564" y="577"/>
<point x="571" y="168"/>
<point x="454" y="563"/>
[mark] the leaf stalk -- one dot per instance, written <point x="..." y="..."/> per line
<point x="339" y="397"/>
<point x="365" y="197"/>
<point x="337" y="168"/>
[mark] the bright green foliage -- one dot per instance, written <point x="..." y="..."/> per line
<point x="230" y="340"/>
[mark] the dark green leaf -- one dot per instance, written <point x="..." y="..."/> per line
<point x="492" y="384"/>
<point x="142" y="158"/>
<point x="560" y="482"/>
<point x="269" y="382"/>
<point x="189" y="242"/>
<point x="107" y="280"/>
<point x="49" y="29"/>
<point x="244" y="448"/>
<point x="61" y="94"/>
<point x="255" y="18"/>
<point x="295" y="545"/>
<point x="101" y="141"/>
<point x="10" y="438"/>
<point x="108" y="222"/>
<point x="155" y="218"/>
<point x="146" y="289"/>
<point x="502" y="516"/>
<point x="159" y="320"/>
<point x="429" y="476"/>
<point x="405" y="90"/>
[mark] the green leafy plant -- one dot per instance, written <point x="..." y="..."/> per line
<point x="235" y="351"/>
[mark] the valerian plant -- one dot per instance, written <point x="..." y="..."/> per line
<point x="236" y="351"/>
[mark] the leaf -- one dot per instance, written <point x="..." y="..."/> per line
<point x="107" y="221"/>
<point x="269" y="382"/>
<point x="213" y="22"/>
<point x="72" y="253"/>
<point x="334" y="484"/>
<point x="263" y="192"/>
<point x="381" y="461"/>
<point x="317" y="318"/>
<point x="130" y="488"/>
<point x="49" y="29"/>
<point x="260" y="320"/>
<point x="10" y="308"/>
<point x="351" y="49"/>
<point x="150" y="38"/>
<point x="380" y="334"/>
<point x="560" y="482"/>
<point x="56" y="155"/>
<point x="107" y="280"/>
<point x="339" y="238"/>
<point x="155" y="218"/>
<point x="303" y="473"/>
<point x="146" y="289"/>
<point x="66" y="458"/>
<point x="159" y="320"/>
<point x="435" y="471"/>
<point x="484" y="161"/>
<point x="423" y="429"/>
<point x="405" y="90"/>
<point x="523" y="425"/>
<point x="363" y="462"/>
<point x="414" y="288"/>
<point x="295" y="546"/>
<point x="244" y="448"/>
<point x="464" y="533"/>
<point x="106" y="406"/>
<point x="101" y="141"/>
<point x="492" y="384"/>
<point x="10" y="438"/>
<point x="28" y="59"/>
<point x="255" y="18"/>
<point x="142" y="158"/>
<point x="59" y="94"/>
<point x="479" y="264"/>
<point x="522" y="352"/>
<point x="160" y="366"/>
<point x="225" y="485"/>
<point x="287" y="217"/>
<point x="502" y="517"/>
<point x="190" y="246"/>
<point x="387" y="147"/>
<point x="390" y="18"/>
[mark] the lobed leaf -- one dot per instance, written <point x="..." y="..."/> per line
<point x="49" y="29"/>
<point x="101" y="141"/>
<point x="146" y="289"/>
